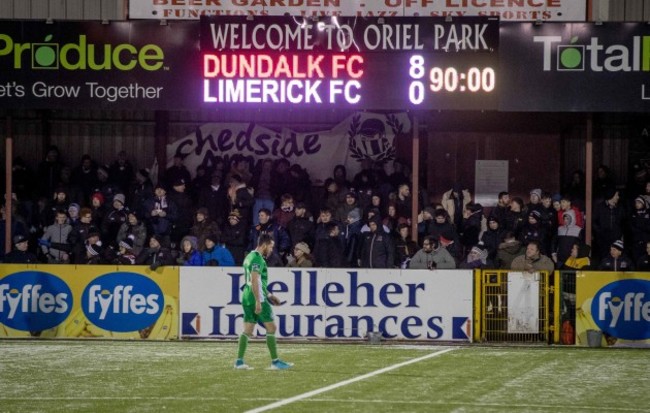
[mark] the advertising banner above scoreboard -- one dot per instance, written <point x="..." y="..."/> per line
<point x="575" y="67"/>
<point x="386" y="63"/>
<point x="511" y="10"/>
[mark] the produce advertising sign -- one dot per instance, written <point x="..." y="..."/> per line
<point x="334" y="303"/>
<point x="581" y="67"/>
<point x="554" y="10"/>
<point x="121" y="65"/>
<point x="372" y="63"/>
<point x="614" y="308"/>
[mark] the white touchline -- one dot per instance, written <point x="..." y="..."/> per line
<point x="284" y="402"/>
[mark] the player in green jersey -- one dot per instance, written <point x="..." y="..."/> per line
<point x="257" y="301"/>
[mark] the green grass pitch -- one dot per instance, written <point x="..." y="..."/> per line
<point x="101" y="376"/>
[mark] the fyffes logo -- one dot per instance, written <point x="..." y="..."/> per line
<point x="622" y="309"/>
<point x="81" y="55"/>
<point x="122" y="301"/>
<point x="34" y="301"/>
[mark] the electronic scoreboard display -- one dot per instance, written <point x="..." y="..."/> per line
<point x="390" y="63"/>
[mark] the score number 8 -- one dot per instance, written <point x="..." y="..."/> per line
<point x="416" y="71"/>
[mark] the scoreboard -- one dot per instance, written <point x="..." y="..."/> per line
<point x="396" y="63"/>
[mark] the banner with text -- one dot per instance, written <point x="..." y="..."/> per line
<point x="363" y="135"/>
<point x="549" y="10"/>
<point x="334" y="303"/>
<point x="574" y="67"/>
<point x="613" y="309"/>
<point x="89" y="65"/>
<point x="95" y="301"/>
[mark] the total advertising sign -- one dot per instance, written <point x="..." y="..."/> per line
<point x="91" y="301"/>
<point x="121" y="65"/>
<point x="514" y="10"/>
<point x="616" y="305"/>
<point x="565" y="67"/>
<point x="334" y="303"/>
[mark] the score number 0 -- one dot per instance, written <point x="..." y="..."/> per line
<point x="474" y="80"/>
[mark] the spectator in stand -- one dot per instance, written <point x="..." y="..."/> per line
<point x="59" y="202"/>
<point x="267" y="226"/>
<point x="352" y="236"/>
<point x="404" y="202"/>
<point x="201" y="181"/>
<point x="329" y="251"/>
<point x="79" y="234"/>
<point x="532" y="260"/>
<point x="57" y="233"/>
<point x="565" y="205"/>
<point x="405" y="247"/>
<point x="442" y="227"/>
<point x="492" y="238"/>
<point x="299" y="184"/>
<point x="578" y="258"/>
<point x="477" y="258"/>
<point x="502" y="208"/>
<point x="455" y="202"/>
<point x="639" y="227"/>
<point x="158" y="254"/>
<point x="516" y="216"/>
<point x="94" y="253"/>
<point x="49" y="171"/>
<point x="73" y="213"/>
<point x="235" y="238"/>
<point x="320" y="231"/>
<point x="185" y="208"/>
<point x="567" y="235"/>
<point x="508" y="250"/>
<point x="301" y="227"/>
<point x="240" y="198"/>
<point x="334" y="198"/>
<point x="377" y="248"/>
<point x="398" y="176"/>
<point x="391" y="220"/>
<point x="125" y="254"/>
<point x="94" y="241"/>
<point x="104" y="183"/>
<point x="285" y="213"/>
<point x="98" y="208"/>
<point x="20" y="254"/>
<point x="348" y="205"/>
<point x="340" y="177"/>
<point x="617" y="259"/>
<point x="432" y="256"/>
<point x="301" y="257"/>
<point x="535" y="203"/>
<point x="85" y="175"/>
<point x="17" y="228"/>
<point x="548" y="220"/>
<point x="607" y="223"/>
<point x="471" y="226"/>
<point x="161" y="214"/>
<point x="282" y="180"/>
<point x="261" y="182"/>
<point x="190" y="254"/>
<point x="575" y="189"/>
<point x="177" y="171"/>
<point x="203" y="226"/>
<point x="241" y="166"/>
<point x="533" y="230"/>
<point x="426" y="222"/>
<point x="141" y="191"/>
<point x="643" y="264"/>
<point x="114" y="219"/>
<point x="216" y="255"/>
<point x="135" y="230"/>
<point x="121" y="172"/>
<point x="604" y="183"/>
<point x="214" y="197"/>
<point x="363" y="180"/>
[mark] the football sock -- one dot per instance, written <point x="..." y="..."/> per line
<point x="243" y="343"/>
<point x="272" y="344"/>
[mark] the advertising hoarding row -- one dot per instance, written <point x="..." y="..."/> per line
<point x="391" y="63"/>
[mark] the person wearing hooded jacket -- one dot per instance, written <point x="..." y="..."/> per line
<point x="215" y="254"/>
<point x="640" y="227"/>
<point x="432" y="256"/>
<point x="508" y="250"/>
<point x="190" y="254"/>
<point x="616" y="260"/>
<point x="377" y="249"/>
<point x="607" y="223"/>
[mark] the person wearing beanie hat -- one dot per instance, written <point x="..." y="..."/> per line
<point x="125" y="255"/>
<point x="354" y="215"/>
<point x="491" y="238"/>
<point x="119" y="198"/>
<point x="202" y="227"/>
<point x="134" y="228"/>
<point x="73" y="213"/>
<point x="476" y="258"/>
<point x="533" y="230"/>
<point x="617" y="260"/>
<point x="535" y="203"/>
<point x="94" y="253"/>
<point x="216" y="254"/>
<point x="234" y="236"/>
<point x="301" y="257"/>
<point x="608" y="220"/>
<point x="20" y="254"/>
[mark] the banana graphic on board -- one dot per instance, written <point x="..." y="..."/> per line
<point x="166" y="327"/>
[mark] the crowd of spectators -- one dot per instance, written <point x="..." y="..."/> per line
<point x="115" y="214"/>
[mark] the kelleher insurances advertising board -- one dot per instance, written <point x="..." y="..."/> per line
<point x="546" y="10"/>
<point x="98" y="301"/>
<point x="334" y="303"/>
<point x="613" y="309"/>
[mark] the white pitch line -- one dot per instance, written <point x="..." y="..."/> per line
<point x="284" y="402"/>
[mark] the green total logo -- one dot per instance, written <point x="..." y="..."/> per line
<point x="571" y="56"/>
<point x="80" y="55"/>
